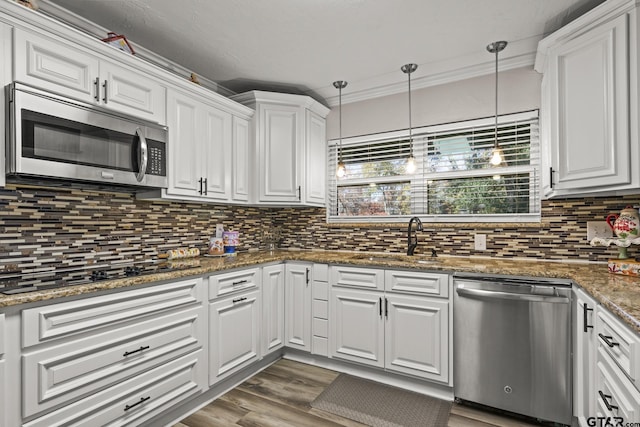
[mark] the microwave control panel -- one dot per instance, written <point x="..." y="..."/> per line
<point x="157" y="162"/>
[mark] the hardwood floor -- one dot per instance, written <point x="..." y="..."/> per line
<point x="280" y="396"/>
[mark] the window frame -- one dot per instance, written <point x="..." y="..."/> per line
<point x="532" y="169"/>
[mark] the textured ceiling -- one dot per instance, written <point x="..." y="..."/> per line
<point x="302" y="46"/>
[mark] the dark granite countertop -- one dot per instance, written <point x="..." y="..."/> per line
<point x="620" y="294"/>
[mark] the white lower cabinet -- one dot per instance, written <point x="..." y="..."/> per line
<point x="358" y="326"/>
<point x="616" y="395"/>
<point x="272" y="308"/>
<point x="297" y="303"/>
<point x="584" y="355"/>
<point x="137" y="400"/>
<point x="115" y="359"/>
<point x="405" y="333"/>
<point x="417" y="336"/>
<point x="234" y="334"/>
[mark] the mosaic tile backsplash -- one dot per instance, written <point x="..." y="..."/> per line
<point x="45" y="227"/>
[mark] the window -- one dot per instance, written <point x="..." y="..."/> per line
<point x="454" y="180"/>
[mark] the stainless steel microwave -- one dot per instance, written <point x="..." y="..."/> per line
<point x="52" y="136"/>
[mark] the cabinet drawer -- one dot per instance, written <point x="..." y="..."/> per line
<point x="433" y="284"/>
<point x="320" y="327"/>
<point x="3" y="390"/>
<point x="614" y="388"/>
<point x="321" y="272"/>
<point x="320" y="290"/>
<point x="47" y="323"/>
<point x="2" y="335"/>
<point x="320" y="346"/>
<point x="620" y="344"/>
<point x="227" y="283"/>
<point x="63" y="373"/>
<point x="354" y="277"/>
<point x="137" y="400"/>
<point x="320" y="309"/>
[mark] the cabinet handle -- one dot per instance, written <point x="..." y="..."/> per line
<point x="239" y="282"/>
<point x="200" y="190"/>
<point x="307" y="276"/>
<point x="139" y="402"/>
<point x="585" y="321"/>
<point x="551" y="177"/>
<point x="239" y="299"/>
<point x="386" y="308"/>
<point x="204" y="185"/>
<point x="299" y="192"/>
<point x="105" y="91"/>
<point x="96" y="84"/>
<point x="380" y="299"/>
<point x="608" y="340"/>
<point x="605" y="399"/>
<point x="129" y="353"/>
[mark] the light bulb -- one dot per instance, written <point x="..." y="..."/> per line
<point x="496" y="177"/>
<point x="342" y="169"/>
<point x="496" y="157"/>
<point x="411" y="164"/>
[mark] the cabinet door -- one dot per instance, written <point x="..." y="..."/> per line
<point x="584" y="362"/>
<point x="129" y="92"/>
<point x="315" y="160"/>
<point x="357" y="326"/>
<point x="298" y="306"/>
<point x="240" y="160"/>
<point x="3" y="391"/>
<point x="55" y="66"/>
<point x="590" y="109"/>
<point x="278" y="150"/>
<point x="417" y="336"/>
<point x="233" y="334"/>
<point x="272" y="308"/>
<point x="216" y="153"/>
<point x="184" y="140"/>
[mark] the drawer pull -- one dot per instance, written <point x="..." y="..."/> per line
<point x="239" y="299"/>
<point x="608" y="340"/>
<point x="605" y="399"/>
<point x="585" y="321"/>
<point x="239" y="282"/>
<point x="129" y="353"/>
<point x="139" y="402"/>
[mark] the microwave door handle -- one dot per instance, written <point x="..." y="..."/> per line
<point x="144" y="156"/>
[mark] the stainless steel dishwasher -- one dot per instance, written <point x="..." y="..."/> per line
<point x="512" y="345"/>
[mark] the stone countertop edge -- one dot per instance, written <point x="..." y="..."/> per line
<point x="619" y="293"/>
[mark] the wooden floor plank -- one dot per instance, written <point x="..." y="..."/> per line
<point x="280" y="396"/>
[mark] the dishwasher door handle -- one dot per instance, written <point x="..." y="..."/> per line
<point x="481" y="293"/>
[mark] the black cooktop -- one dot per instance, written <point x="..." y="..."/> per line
<point x="16" y="282"/>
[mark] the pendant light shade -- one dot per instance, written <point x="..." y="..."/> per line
<point x="497" y="155"/>
<point x="341" y="169"/>
<point x="411" y="161"/>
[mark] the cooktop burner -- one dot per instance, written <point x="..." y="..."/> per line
<point x="15" y="282"/>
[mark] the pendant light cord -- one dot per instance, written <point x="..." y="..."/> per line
<point x="495" y="144"/>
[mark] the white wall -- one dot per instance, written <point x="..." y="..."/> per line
<point x="519" y="90"/>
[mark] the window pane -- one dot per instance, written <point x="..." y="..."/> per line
<point x="464" y="196"/>
<point x="379" y="200"/>
<point x="376" y="159"/>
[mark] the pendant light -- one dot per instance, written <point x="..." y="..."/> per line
<point x="341" y="170"/>
<point x="497" y="156"/>
<point x="411" y="161"/>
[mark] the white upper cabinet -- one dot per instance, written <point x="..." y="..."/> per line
<point x="207" y="151"/>
<point x="288" y="149"/>
<point x="54" y="65"/>
<point x="589" y="126"/>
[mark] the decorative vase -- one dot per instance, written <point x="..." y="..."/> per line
<point x="626" y="225"/>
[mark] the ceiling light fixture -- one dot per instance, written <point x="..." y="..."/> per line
<point x="497" y="156"/>
<point x="341" y="170"/>
<point x="411" y="161"/>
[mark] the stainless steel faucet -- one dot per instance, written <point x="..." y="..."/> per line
<point x="412" y="235"/>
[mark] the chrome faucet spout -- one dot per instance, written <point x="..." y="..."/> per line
<point x="412" y="235"/>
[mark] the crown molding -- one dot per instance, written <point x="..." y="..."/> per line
<point x="448" y="75"/>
